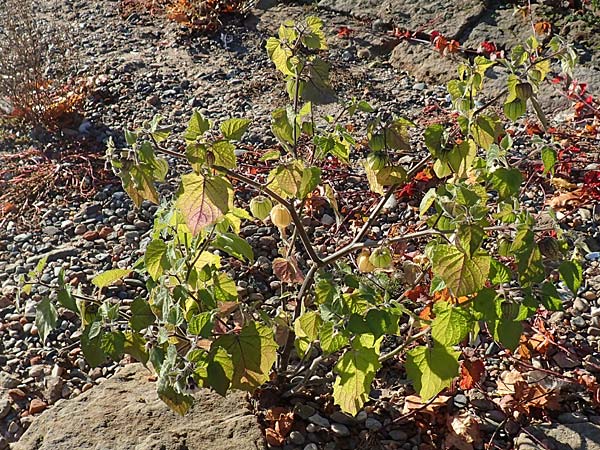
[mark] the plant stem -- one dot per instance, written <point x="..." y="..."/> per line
<point x="287" y="349"/>
<point x="373" y="216"/>
<point x="289" y="206"/>
<point x="404" y="345"/>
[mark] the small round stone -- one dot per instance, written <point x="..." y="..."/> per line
<point x="373" y="424"/>
<point x="340" y="430"/>
<point x="296" y="438"/>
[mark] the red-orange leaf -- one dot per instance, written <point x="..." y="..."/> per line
<point x="471" y="372"/>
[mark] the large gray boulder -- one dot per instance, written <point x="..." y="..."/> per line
<point x="580" y="436"/>
<point x="124" y="413"/>
<point x="470" y="22"/>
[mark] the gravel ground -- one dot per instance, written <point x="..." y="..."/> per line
<point x="141" y="69"/>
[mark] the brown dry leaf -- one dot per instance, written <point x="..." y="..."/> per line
<point x="284" y="425"/>
<point x="471" y="372"/>
<point x="534" y="395"/>
<point x="567" y="200"/>
<point x="287" y="270"/>
<point x="463" y="432"/>
<point x="414" y="402"/>
<point x="203" y="344"/>
<point x="275" y="413"/>
<point x="227" y="308"/>
<point x="561" y="183"/>
<point x="507" y="381"/>
<point x="274" y="438"/>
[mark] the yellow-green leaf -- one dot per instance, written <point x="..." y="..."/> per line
<point x="253" y="352"/>
<point x="431" y="369"/>
<point x="355" y="372"/>
<point x="203" y="200"/>
<point x="109" y="277"/>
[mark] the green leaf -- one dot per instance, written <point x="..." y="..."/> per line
<point x="197" y="126"/>
<point x="113" y="344"/>
<point x="177" y="402"/>
<point x="201" y="324"/>
<point x="431" y="369"/>
<point x="381" y="321"/>
<point x="67" y="300"/>
<point x="469" y="238"/>
<point x="141" y="315"/>
<point x="109" y="277"/>
<point x="317" y="89"/>
<point x="391" y="175"/>
<point x="485" y="304"/>
<point x="235" y="246"/>
<point x="311" y="177"/>
<point x="499" y="273"/>
<point x="434" y="139"/>
<point x="485" y="131"/>
<point x="356" y="370"/>
<point x="315" y="39"/>
<point x="279" y="54"/>
<point x="507" y="182"/>
<point x="224" y="153"/>
<point x="460" y="158"/>
<point x="550" y="297"/>
<point x="286" y="179"/>
<point x="507" y="332"/>
<point x="270" y="155"/>
<point x="515" y="109"/>
<point x="139" y="185"/>
<point x="309" y="324"/>
<point x="135" y="345"/>
<point x="224" y="288"/>
<point x="572" y="275"/>
<point x="427" y="201"/>
<point x="220" y="370"/>
<point x="234" y="129"/>
<point x="253" y="353"/>
<point x="462" y="274"/>
<point x="155" y="258"/>
<point x="90" y="346"/>
<point x="549" y="159"/>
<point x="45" y="318"/>
<point x="451" y="324"/>
<point x="331" y="339"/>
<point x="203" y="200"/>
<point x="396" y="134"/>
<point x="282" y="128"/>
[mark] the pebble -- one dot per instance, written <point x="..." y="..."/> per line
<point x="460" y="401"/>
<point x="398" y="435"/>
<point x="37" y="406"/>
<point x="304" y="411"/>
<point x="361" y="416"/>
<point x="580" y="305"/>
<point x="319" y="420"/>
<point x="311" y="446"/>
<point x="5" y="407"/>
<point x="340" y="430"/>
<point x="80" y="229"/>
<point x="373" y="424"/>
<point x="572" y="417"/>
<point x="340" y="417"/>
<point x="593" y="331"/>
<point x="296" y="437"/>
<point x="578" y="322"/>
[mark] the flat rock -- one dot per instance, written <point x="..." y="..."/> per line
<point x="584" y="435"/>
<point x="55" y="254"/>
<point x="125" y="413"/>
